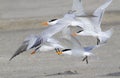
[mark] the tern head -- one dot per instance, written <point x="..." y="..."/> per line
<point x="51" y="22"/>
<point x="67" y="51"/>
<point x="76" y="33"/>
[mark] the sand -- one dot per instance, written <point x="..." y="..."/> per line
<point x="14" y="27"/>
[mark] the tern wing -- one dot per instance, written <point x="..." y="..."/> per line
<point x="66" y="33"/>
<point x="52" y="40"/>
<point x="89" y="48"/>
<point x="99" y="14"/>
<point x="21" y="49"/>
<point x="55" y="43"/>
<point x="36" y="40"/>
<point x="76" y="43"/>
<point x="52" y="30"/>
<point x="77" y="6"/>
<point x="30" y="42"/>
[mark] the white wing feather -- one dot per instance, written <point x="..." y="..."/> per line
<point x="77" y="6"/>
<point x="99" y="14"/>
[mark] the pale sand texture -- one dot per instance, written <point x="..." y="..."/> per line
<point x="20" y="18"/>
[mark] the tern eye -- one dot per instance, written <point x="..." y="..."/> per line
<point x="66" y="50"/>
<point x="52" y="20"/>
<point x="79" y="31"/>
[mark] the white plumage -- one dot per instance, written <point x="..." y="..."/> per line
<point x="76" y="17"/>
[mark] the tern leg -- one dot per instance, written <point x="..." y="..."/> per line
<point x="58" y="51"/>
<point x="35" y="50"/>
<point x="86" y="58"/>
<point x="98" y="41"/>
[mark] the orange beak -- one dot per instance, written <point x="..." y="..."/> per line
<point x="74" y="34"/>
<point x="33" y="52"/>
<point x="45" y="24"/>
<point x="59" y="52"/>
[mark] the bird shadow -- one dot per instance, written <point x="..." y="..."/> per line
<point x="112" y="74"/>
<point x="63" y="73"/>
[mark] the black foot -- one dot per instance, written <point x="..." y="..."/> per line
<point x="57" y="49"/>
<point x="85" y="59"/>
<point x="98" y="41"/>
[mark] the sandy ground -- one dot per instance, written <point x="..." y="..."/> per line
<point x="14" y="27"/>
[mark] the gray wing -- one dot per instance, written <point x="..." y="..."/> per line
<point x="52" y="30"/>
<point x="77" y="6"/>
<point x="99" y="13"/>
<point x="21" y="49"/>
<point x="89" y="48"/>
<point x="28" y="43"/>
<point x="75" y="44"/>
<point x="66" y="33"/>
<point x="35" y="40"/>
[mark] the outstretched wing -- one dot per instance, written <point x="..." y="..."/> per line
<point x="21" y="49"/>
<point x="89" y="48"/>
<point x="30" y="42"/>
<point x="52" y="30"/>
<point x="99" y="14"/>
<point x="77" y="6"/>
<point x="35" y="40"/>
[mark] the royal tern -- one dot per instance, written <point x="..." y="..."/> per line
<point x="92" y="25"/>
<point x="78" y="11"/>
<point x="51" y="44"/>
<point x="77" y="49"/>
<point x="77" y="6"/>
<point x="51" y="22"/>
<point x="89" y="28"/>
<point x="40" y="39"/>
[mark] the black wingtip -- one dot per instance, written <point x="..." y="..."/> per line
<point x="11" y="58"/>
<point x="14" y="56"/>
<point x="20" y="50"/>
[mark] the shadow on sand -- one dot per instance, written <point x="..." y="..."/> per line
<point x="63" y="73"/>
<point x="113" y="74"/>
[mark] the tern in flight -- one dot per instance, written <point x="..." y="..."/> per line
<point x="92" y="25"/>
<point x="77" y="49"/>
<point x="78" y="11"/>
<point x="35" y="41"/>
<point x="51" y="44"/>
